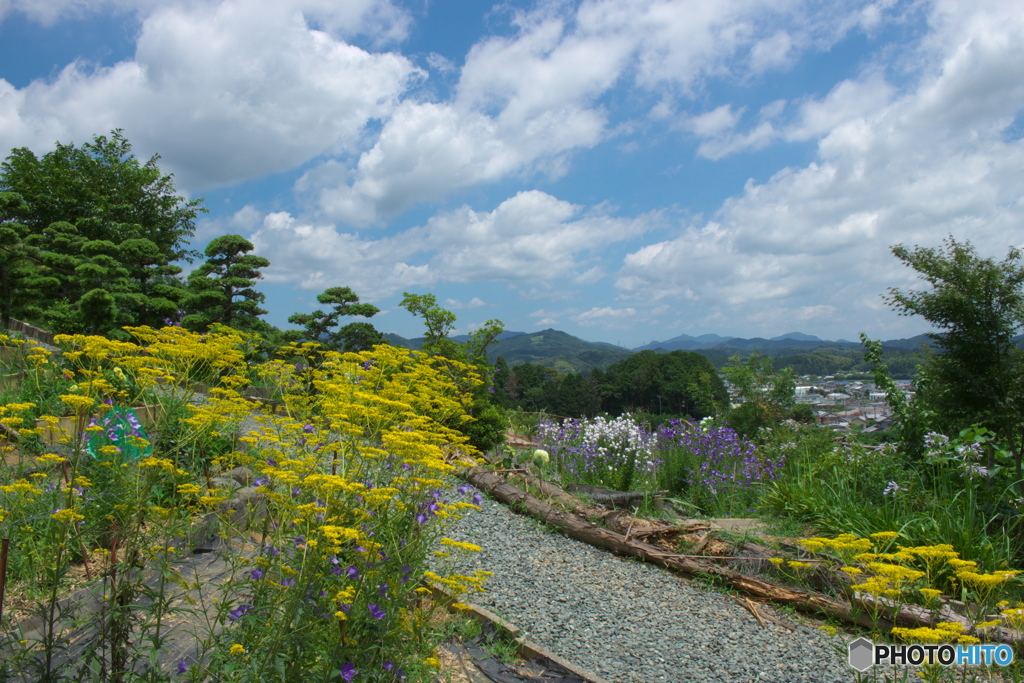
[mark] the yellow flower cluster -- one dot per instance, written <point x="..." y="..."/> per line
<point x="469" y="547"/>
<point x="350" y="471"/>
<point x="67" y="515"/>
<point x="914" y="571"/>
<point x="944" y="632"/>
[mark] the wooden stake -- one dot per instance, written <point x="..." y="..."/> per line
<point x="4" y="543"/>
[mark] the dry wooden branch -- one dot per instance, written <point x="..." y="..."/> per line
<point x="752" y="608"/>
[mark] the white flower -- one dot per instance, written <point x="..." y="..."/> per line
<point x="976" y="470"/>
<point x="892" y="489"/>
<point x="541" y="457"/>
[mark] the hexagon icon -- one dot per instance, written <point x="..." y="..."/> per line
<point x="861" y="654"/>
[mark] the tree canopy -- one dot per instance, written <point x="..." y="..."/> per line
<point x="977" y="304"/>
<point x="319" y="326"/>
<point x="89" y="236"/>
<point x="222" y="290"/>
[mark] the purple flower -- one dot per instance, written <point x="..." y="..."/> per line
<point x="353" y="573"/>
<point x="238" y="612"/>
<point x="256" y="574"/>
<point x="348" y="671"/>
<point x="465" y="488"/>
<point x="296" y="491"/>
<point x="308" y="429"/>
<point x="389" y="665"/>
<point x="260" y="481"/>
<point x="300" y="541"/>
<point x="421" y="518"/>
<point x="383" y="590"/>
<point x="478" y="499"/>
<point x="271" y="462"/>
<point x="375" y="611"/>
<point x="182" y="667"/>
<point x="288" y="583"/>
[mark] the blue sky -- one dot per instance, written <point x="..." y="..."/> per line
<point x="623" y="170"/>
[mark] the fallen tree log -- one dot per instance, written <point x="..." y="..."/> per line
<point x="589" y="532"/>
<point x="607" y="497"/>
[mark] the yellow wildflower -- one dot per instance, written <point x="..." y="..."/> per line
<point x="67" y="515"/>
<point x="78" y="403"/>
<point x="459" y="544"/>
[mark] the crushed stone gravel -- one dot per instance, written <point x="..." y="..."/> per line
<point x="628" y="621"/>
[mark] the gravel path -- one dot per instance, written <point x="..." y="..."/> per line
<point x="628" y="621"/>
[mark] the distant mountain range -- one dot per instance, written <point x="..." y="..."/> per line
<point x="566" y="353"/>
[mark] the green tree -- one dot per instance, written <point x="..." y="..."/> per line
<point x="676" y="383"/>
<point x="319" y="326"/>
<point x="103" y="190"/>
<point x="222" y="290"/>
<point x="977" y="305"/>
<point x="89" y="245"/>
<point x="438" y="321"/>
<point x="765" y="394"/>
<point x="14" y="266"/>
